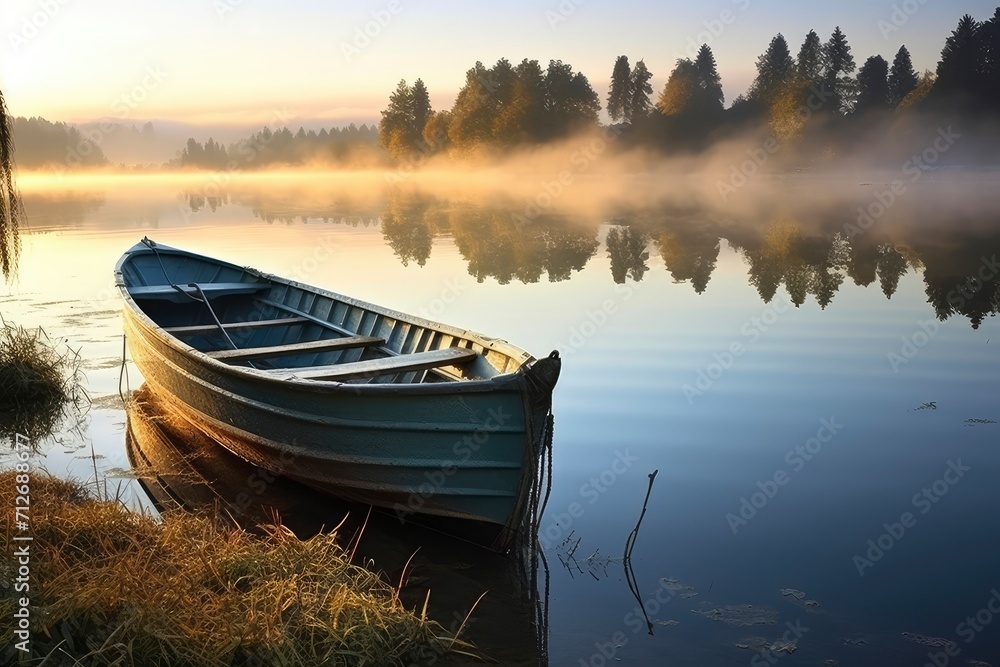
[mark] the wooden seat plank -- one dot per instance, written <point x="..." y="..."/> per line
<point x="418" y="361"/>
<point x="312" y="318"/>
<point x="230" y="326"/>
<point x="326" y="345"/>
<point x="210" y="289"/>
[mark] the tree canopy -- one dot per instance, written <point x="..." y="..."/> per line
<point x="774" y="71"/>
<point x="708" y="75"/>
<point x="809" y="64"/>
<point x="620" y="93"/>
<point x="902" y="78"/>
<point x="873" y="86"/>
<point x="401" y="129"/>
<point x="838" y="65"/>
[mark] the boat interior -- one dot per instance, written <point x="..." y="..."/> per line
<point x="287" y="331"/>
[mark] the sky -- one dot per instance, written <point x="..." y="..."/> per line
<point x="303" y="62"/>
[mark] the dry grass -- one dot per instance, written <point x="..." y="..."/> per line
<point x="110" y="586"/>
<point x="37" y="383"/>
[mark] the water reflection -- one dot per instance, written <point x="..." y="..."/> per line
<point x="181" y="467"/>
<point x="627" y="249"/>
<point x="689" y="255"/>
<point x="806" y="246"/>
<point x="808" y="259"/>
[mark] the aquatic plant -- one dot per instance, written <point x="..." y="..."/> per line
<point x="39" y="382"/>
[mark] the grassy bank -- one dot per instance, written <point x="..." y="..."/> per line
<point x="110" y="586"/>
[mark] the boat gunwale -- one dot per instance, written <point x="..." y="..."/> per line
<point x="325" y="386"/>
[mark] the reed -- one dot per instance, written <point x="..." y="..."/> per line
<point x="111" y="586"/>
<point x="38" y="382"/>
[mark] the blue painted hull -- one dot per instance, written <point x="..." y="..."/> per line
<point x="462" y="443"/>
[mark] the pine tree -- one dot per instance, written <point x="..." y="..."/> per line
<point x="395" y="130"/>
<point x="421" y="110"/>
<point x="873" y="86"/>
<point x="638" y="103"/>
<point x="710" y="79"/>
<point x="620" y="95"/>
<point x="774" y="70"/>
<point x="810" y="61"/>
<point x="990" y="41"/>
<point x="902" y="78"/>
<point x="838" y="65"/>
<point x="960" y="68"/>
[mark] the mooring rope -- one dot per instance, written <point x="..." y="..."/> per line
<point x="528" y="545"/>
<point x="547" y="470"/>
<point x="149" y="243"/>
<point x="123" y="373"/>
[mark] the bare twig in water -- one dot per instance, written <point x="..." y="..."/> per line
<point x="630" y="541"/>
<point x="627" y="557"/>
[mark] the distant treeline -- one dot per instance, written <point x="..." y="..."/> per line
<point x="352" y="144"/>
<point x="820" y="92"/>
<point x="44" y="144"/>
<point x="41" y="143"/>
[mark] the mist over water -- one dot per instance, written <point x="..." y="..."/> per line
<point x="803" y="232"/>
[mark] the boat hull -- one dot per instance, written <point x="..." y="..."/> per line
<point x="464" y="450"/>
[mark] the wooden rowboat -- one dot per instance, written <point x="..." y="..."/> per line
<point x="366" y="403"/>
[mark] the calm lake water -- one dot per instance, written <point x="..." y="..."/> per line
<point x="817" y="386"/>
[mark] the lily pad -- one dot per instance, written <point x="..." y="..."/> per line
<point x="928" y="641"/>
<point x="738" y="615"/>
<point x="762" y="645"/>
